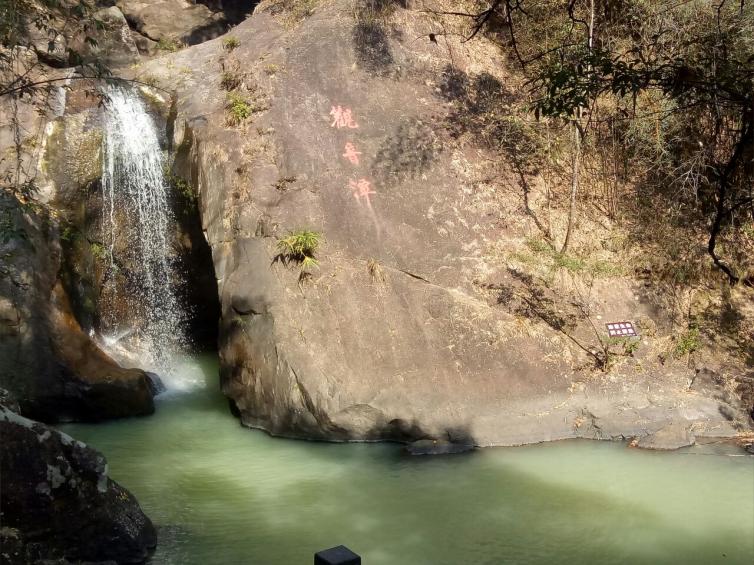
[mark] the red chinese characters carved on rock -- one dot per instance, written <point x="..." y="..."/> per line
<point x="361" y="189"/>
<point x="342" y="118"/>
<point x="351" y="154"/>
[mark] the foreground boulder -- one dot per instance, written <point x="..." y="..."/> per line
<point x="57" y="501"/>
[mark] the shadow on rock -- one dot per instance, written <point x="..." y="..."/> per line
<point x="406" y="154"/>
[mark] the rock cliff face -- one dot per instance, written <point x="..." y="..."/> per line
<point x="58" y="502"/>
<point x="52" y="367"/>
<point x="416" y="323"/>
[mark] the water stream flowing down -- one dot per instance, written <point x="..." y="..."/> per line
<point x="137" y="224"/>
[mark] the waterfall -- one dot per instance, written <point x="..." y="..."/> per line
<point x="137" y="229"/>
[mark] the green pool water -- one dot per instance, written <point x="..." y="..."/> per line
<point x="223" y="494"/>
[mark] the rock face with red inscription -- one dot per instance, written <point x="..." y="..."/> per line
<point x="415" y="323"/>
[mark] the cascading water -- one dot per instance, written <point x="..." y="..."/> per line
<point x="137" y="224"/>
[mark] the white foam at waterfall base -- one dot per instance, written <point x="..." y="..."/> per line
<point x="179" y="373"/>
<point x="137" y="228"/>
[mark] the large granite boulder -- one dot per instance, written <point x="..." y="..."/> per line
<point x="58" y="503"/>
<point x="109" y="42"/>
<point x="170" y="21"/>
<point x="417" y="323"/>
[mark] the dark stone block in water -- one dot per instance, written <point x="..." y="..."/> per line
<point x="156" y="386"/>
<point x="437" y="447"/>
<point x="59" y="504"/>
<point x="339" y="555"/>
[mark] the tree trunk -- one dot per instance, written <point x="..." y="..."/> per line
<point x="575" y="165"/>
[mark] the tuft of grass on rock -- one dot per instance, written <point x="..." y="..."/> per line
<point x="230" y="43"/>
<point x="169" y="44"/>
<point x="300" y="247"/>
<point x="230" y="80"/>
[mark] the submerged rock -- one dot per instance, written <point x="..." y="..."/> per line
<point x="58" y="502"/>
<point x="437" y="447"/>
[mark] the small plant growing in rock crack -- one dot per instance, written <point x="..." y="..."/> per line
<point x="69" y="234"/>
<point x="238" y="109"/>
<point x="232" y="77"/>
<point x="300" y="247"/>
<point x="230" y="80"/>
<point x="230" y="43"/>
<point x="99" y="251"/>
<point x="375" y="271"/>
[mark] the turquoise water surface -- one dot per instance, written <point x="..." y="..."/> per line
<point x="220" y="493"/>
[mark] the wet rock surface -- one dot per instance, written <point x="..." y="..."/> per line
<point x="55" y="371"/>
<point x="437" y="447"/>
<point x="58" y="504"/>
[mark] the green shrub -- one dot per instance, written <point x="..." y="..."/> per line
<point x="688" y="342"/>
<point x="564" y="261"/>
<point x="238" y="109"/>
<point x="230" y="43"/>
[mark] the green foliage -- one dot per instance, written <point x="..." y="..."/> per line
<point x="300" y="247"/>
<point x="559" y="260"/>
<point x="69" y="234"/>
<point x="568" y="262"/>
<point x="238" y="109"/>
<point x="539" y="245"/>
<point x="230" y="43"/>
<point x="271" y="69"/>
<point x="99" y="251"/>
<point x="8" y="228"/>
<point x="688" y="342"/>
<point x="184" y="188"/>
<point x="181" y="186"/>
<point x="630" y="346"/>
